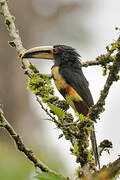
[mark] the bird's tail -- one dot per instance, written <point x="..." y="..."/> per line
<point x="94" y="146"/>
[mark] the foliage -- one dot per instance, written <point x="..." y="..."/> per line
<point x="49" y="176"/>
<point x="59" y="112"/>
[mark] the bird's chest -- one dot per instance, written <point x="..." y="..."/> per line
<point x="59" y="81"/>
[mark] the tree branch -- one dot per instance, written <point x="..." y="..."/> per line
<point x="100" y="60"/>
<point x="20" y="145"/>
<point x="14" y="33"/>
<point x="109" y="171"/>
<point x="112" y="76"/>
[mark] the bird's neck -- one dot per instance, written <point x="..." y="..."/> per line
<point x="68" y="64"/>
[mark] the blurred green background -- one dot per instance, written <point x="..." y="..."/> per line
<point x="86" y="25"/>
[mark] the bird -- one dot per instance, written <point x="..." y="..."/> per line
<point x="69" y="80"/>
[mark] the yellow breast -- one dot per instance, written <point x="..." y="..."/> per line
<point x="59" y="81"/>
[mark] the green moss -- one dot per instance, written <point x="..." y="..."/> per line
<point x="81" y="151"/>
<point x="68" y="118"/>
<point x="115" y="46"/>
<point x="61" y="104"/>
<point x="108" y="49"/>
<point x="35" y="81"/>
<point x="2" y="3"/>
<point x="33" y="68"/>
<point x="75" y="150"/>
<point x="38" y="83"/>
<point x="105" y="69"/>
<point x="50" y="99"/>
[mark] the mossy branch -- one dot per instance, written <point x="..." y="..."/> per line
<point x="100" y="60"/>
<point x="112" y="77"/>
<point x="20" y="145"/>
<point x="108" y="172"/>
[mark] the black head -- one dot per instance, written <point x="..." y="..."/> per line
<point x="65" y="54"/>
<point x="62" y="54"/>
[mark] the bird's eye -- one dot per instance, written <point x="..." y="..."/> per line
<point x="56" y="51"/>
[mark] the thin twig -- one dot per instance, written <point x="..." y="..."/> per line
<point x="46" y="110"/>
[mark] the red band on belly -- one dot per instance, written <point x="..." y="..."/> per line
<point x="69" y="89"/>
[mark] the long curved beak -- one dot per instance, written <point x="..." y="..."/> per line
<point x="42" y="52"/>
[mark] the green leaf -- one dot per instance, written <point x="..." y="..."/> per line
<point x="49" y="176"/>
<point x="49" y="120"/>
<point x="59" y="112"/>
